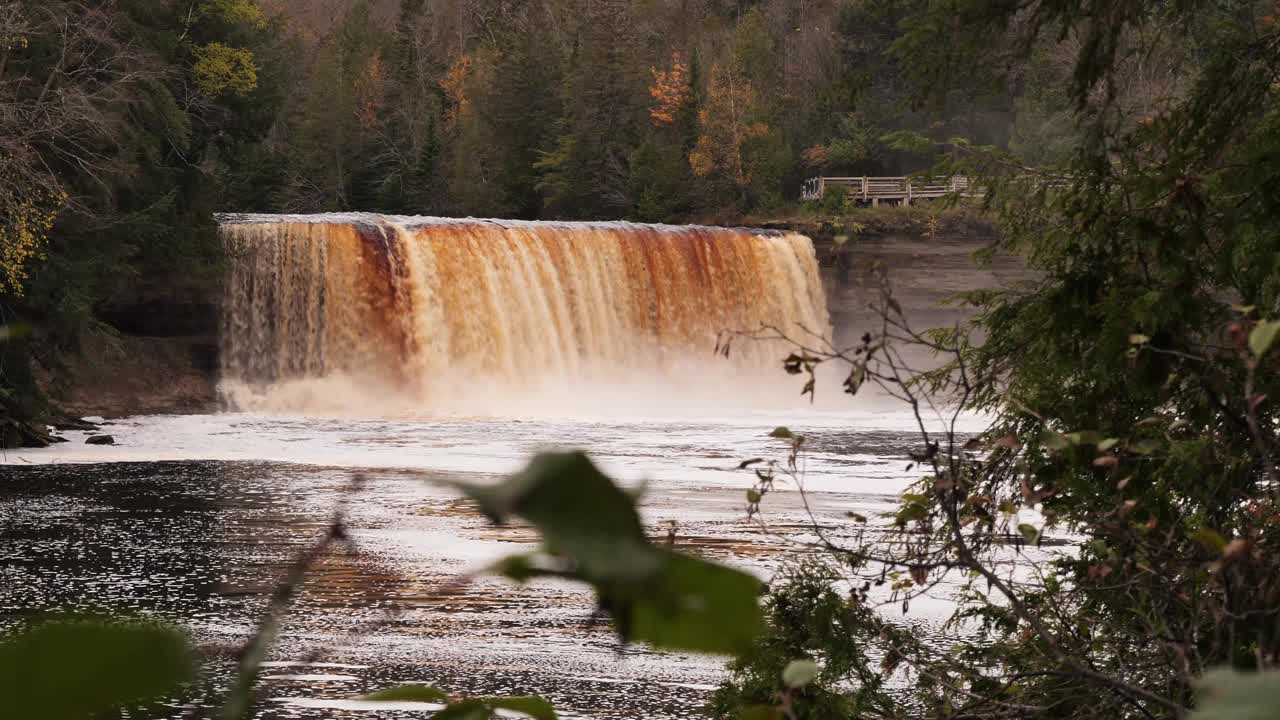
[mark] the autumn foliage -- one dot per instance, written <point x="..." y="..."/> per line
<point x="669" y="91"/>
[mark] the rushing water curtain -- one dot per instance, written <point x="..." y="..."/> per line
<point x="417" y="303"/>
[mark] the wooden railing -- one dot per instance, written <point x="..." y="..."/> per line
<point x="873" y="190"/>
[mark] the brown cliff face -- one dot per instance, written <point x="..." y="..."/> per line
<point x="928" y="258"/>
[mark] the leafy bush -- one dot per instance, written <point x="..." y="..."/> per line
<point x="809" y="618"/>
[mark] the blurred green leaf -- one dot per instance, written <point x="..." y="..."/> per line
<point x="1226" y="694"/>
<point x="474" y="709"/>
<point x="1210" y="539"/>
<point x="592" y="531"/>
<point x="531" y="705"/>
<point x="761" y="712"/>
<point x="14" y="331"/>
<point x="1263" y="337"/>
<point x="691" y="605"/>
<point x="799" y="673"/>
<point x="1054" y="440"/>
<point x="1144" y="447"/>
<point x="408" y="693"/>
<point x="73" y="670"/>
<point x="1029" y="533"/>
<point x="781" y="433"/>
<point x="579" y="511"/>
<point x="482" y="708"/>
<point x="856" y="377"/>
<point x="1085" y="437"/>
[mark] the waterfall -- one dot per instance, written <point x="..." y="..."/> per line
<point x="428" y="310"/>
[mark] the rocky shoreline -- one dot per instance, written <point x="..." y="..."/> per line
<point x="16" y="434"/>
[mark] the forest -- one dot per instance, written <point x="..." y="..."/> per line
<point x="127" y="124"/>
<point x="1128" y="152"/>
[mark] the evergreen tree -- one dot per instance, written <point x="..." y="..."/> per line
<point x="586" y="173"/>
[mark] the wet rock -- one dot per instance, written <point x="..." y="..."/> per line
<point x="100" y="440"/>
<point x="81" y="425"/>
<point x="15" y="434"/>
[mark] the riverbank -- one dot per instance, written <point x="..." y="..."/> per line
<point x="150" y="349"/>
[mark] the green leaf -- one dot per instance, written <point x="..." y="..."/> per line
<point x="856" y="377"/>
<point x="1144" y="447"/>
<point x="1227" y="694"/>
<point x="761" y="712"/>
<point x="1210" y="539"/>
<point x="1029" y="533"/>
<point x="1107" y="444"/>
<point x="691" y="605"/>
<point x="1137" y="339"/>
<point x="579" y="511"/>
<point x="781" y="433"/>
<point x="1054" y="440"/>
<point x="1085" y="437"/>
<point x="408" y="693"/>
<point x="753" y="495"/>
<point x="14" y="331"/>
<point x="75" y="670"/>
<point x="531" y="705"/>
<point x="592" y="528"/>
<point x="911" y="512"/>
<point x="800" y="673"/>
<point x="473" y="709"/>
<point x="520" y="568"/>
<point x="1263" y="336"/>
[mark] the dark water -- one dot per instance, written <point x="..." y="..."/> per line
<point x="202" y="544"/>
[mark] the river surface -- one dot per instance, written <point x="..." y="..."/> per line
<point x="196" y="518"/>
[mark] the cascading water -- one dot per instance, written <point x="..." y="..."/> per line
<point x="432" y="314"/>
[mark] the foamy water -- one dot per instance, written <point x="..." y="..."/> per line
<point x="670" y="451"/>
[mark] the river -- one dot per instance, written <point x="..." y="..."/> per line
<point x="413" y="350"/>
<point x="195" y="518"/>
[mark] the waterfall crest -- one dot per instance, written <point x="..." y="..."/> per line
<point x="427" y="309"/>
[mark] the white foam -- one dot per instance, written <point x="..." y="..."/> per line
<point x="671" y="451"/>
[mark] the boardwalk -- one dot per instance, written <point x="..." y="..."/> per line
<point x="874" y="190"/>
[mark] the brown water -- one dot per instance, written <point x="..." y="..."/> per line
<point x="421" y="306"/>
<point x="203" y="542"/>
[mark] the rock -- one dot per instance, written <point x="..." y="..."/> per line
<point x="65" y="424"/>
<point x="100" y="440"/>
<point x="15" y="434"/>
